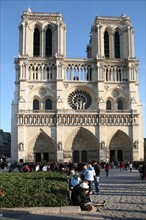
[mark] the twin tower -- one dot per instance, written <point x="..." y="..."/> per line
<point x="76" y="110"/>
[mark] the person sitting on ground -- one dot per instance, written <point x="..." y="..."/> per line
<point x="80" y="197"/>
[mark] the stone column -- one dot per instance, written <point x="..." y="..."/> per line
<point x="129" y="41"/>
<point x="42" y="43"/>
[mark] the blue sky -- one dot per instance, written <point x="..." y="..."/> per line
<point x="78" y="16"/>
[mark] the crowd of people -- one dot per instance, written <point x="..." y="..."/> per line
<point x="83" y="178"/>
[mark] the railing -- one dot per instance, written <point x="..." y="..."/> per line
<point x="63" y="119"/>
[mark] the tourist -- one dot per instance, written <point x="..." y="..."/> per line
<point x="107" y="169"/>
<point x="45" y="168"/>
<point x="75" y="180"/>
<point x="130" y="166"/>
<point x="89" y="174"/>
<point x="96" y="177"/>
<point x="80" y="196"/>
<point x="84" y="167"/>
<point x="37" y="168"/>
<point x="71" y="174"/>
<point x="122" y="166"/>
<point x="26" y="168"/>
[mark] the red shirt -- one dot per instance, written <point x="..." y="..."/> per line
<point x="107" y="167"/>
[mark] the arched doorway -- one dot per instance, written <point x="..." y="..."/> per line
<point x="120" y="147"/>
<point x="81" y="146"/>
<point x="42" y="149"/>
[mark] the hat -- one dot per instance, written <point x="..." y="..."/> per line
<point x="72" y="172"/>
<point x="84" y="185"/>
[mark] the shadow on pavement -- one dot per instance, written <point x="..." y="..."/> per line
<point x="22" y="215"/>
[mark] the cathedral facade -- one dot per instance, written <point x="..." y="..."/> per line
<point x="76" y="110"/>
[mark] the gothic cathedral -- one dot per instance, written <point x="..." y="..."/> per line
<point x="76" y="110"/>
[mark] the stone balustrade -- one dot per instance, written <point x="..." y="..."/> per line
<point x="62" y="119"/>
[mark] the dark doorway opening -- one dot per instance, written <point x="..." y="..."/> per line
<point x="46" y="157"/>
<point x="38" y="157"/>
<point x="76" y="156"/>
<point x="84" y="156"/>
<point x="120" y="155"/>
<point x="112" y="155"/>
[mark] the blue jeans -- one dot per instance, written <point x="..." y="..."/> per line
<point x="107" y="173"/>
<point x="96" y="181"/>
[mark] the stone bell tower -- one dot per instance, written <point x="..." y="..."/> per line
<point x="112" y="45"/>
<point x="42" y="45"/>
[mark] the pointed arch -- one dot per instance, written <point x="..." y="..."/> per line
<point x="117" y="44"/>
<point x="48" y="104"/>
<point x="36" y="104"/>
<point x="82" y="144"/>
<point x="120" y="147"/>
<point x="41" y="144"/>
<point x="106" y="44"/>
<point x="108" y="105"/>
<point x="120" y="104"/>
<point x="36" y="42"/>
<point x="48" y="42"/>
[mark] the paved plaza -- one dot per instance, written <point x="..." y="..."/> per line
<point x="124" y="192"/>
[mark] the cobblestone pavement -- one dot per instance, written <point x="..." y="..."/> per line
<point x="125" y="195"/>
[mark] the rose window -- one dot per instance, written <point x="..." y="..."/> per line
<point x="79" y="100"/>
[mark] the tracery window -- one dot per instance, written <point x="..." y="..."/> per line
<point x="48" y="104"/>
<point x="106" y="44"/>
<point x="35" y="104"/>
<point x="36" y="42"/>
<point x="117" y="45"/>
<point x="48" y="43"/>
<point x="108" y="105"/>
<point x="79" y="100"/>
<point x="120" y="104"/>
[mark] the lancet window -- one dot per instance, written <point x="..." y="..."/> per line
<point x="120" y="104"/>
<point x="108" y="105"/>
<point x="106" y="44"/>
<point x="36" y="104"/>
<point x="48" y="43"/>
<point x="117" y="45"/>
<point x="48" y="104"/>
<point x="36" y="42"/>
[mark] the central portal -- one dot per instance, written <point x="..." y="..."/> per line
<point x="81" y="146"/>
<point x="80" y="156"/>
